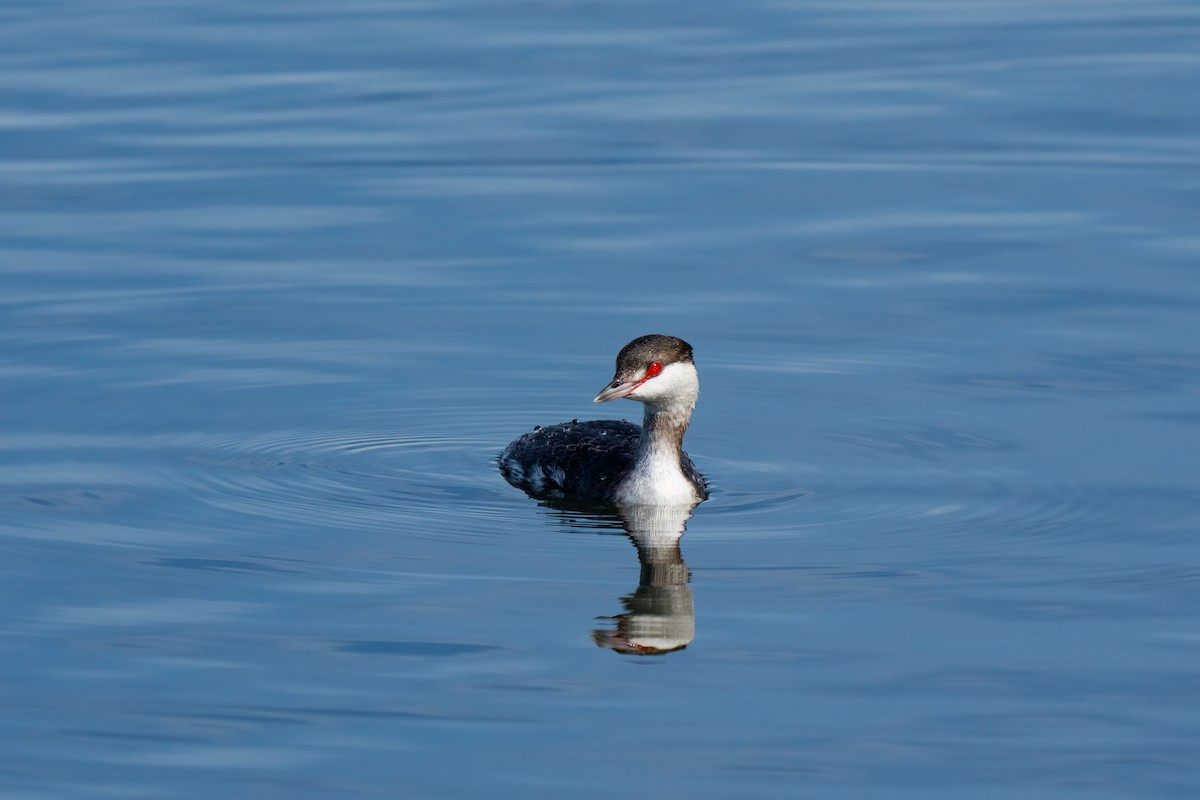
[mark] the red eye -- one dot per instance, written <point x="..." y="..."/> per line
<point x="653" y="369"/>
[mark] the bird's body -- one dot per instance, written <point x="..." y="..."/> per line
<point x="615" y="462"/>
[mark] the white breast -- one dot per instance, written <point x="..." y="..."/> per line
<point x="657" y="480"/>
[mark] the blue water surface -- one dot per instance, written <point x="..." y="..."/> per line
<point x="281" y="279"/>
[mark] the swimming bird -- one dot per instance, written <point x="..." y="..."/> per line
<point x="615" y="462"/>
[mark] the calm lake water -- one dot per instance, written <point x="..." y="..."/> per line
<point x="281" y="279"/>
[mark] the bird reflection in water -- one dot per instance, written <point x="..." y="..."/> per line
<point x="659" y="616"/>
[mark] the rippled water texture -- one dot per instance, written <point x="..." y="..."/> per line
<point x="281" y="279"/>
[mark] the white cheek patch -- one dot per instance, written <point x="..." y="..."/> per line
<point x="676" y="384"/>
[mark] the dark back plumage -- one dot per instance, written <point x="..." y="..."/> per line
<point x="579" y="460"/>
<point x="575" y="459"/>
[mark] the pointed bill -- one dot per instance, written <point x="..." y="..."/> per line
<point x="616" y="390"/>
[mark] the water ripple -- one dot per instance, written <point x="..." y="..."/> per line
<point x="353" y="480"/>
<point x="984" y="516"/>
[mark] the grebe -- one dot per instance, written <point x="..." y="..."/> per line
<point x="616" y="462"/>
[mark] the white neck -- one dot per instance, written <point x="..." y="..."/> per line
<point x="657" y="477"/>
